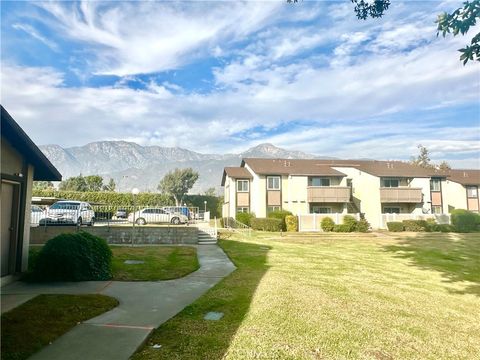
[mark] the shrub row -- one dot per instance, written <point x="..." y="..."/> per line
<point x="465" y="221"/>
<point x="291" y="222"/>
<point x="462" y="221"/>
<point x="245" y="218"/>
<point x="266" y="224"/>
<point x="73" y="257"/>
<point x="281" y="215"/>
<point x="350" y="224"/>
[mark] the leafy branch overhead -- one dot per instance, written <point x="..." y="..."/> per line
<point x="458" y="22"/>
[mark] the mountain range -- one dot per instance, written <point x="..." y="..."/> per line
<point x="132" y="165"/>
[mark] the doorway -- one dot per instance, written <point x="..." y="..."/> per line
<point x="9" y="226"/>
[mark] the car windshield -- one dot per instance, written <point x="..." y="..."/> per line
<point x="64" y="206"/>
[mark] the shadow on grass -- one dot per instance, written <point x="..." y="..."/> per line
<point x="456" y="256"/>
<point x="188" y="335"/>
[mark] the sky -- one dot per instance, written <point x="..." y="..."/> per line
<point x="223" y="76"/>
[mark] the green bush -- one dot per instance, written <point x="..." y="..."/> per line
<point x="74" y="257"/>
<point x="266" y="224"/>
<point x="362" y="226"/>
<point x="395" y="226"/>
<point x="280" y="214"/>
<point x="350" y="222"/>
<point x="342" y="228"/>
<point x="327" y="224"/>
<point x="245" y="218"/>
<point x="292" y="223"/>
<point x="465" y="221"/>
<point x="442" y="228"/>
<point x="415" y="225"/>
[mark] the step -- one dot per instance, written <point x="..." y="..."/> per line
<point x="207" y="242"/>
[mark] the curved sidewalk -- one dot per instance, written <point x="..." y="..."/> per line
<point x="143" y="307"/>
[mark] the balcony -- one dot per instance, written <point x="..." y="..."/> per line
<point x="401" y="195"/>
<point x="328" y="194"/>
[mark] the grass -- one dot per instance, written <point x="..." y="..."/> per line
<point x="160" y="262"/>
<point x="36" y="323"/>
<point x="335" y="296"/>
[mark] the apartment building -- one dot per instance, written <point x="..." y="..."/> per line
<point x="379" y="190"/>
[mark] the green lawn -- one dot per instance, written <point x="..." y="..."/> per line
<point x="39" y="321"/>
<point x="160" y="262"/>
<point x="336" y="296"/>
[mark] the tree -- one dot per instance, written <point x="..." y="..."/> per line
<point x="76" y="183"/>
<point x="177" y="183"/>
<point x="42" y="185"/>
<point x="423" y="160"/>
<point x="211" y="192"/>
<point x="111" y="186"/>
<point x="458" y="22"/>
<point x="94" y="182"/>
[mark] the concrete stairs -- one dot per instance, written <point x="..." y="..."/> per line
<point x="207" y="236"/>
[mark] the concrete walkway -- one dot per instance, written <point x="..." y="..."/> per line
<point x="143" y="306"/>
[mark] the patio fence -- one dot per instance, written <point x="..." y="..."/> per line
<point x="311" y="222"/>
<point x="440" y="218"/>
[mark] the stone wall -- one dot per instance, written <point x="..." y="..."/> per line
<point x="122" y="234"/>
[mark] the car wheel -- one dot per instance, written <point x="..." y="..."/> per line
<point x="176" y="221"/>
<point x="79" y="221"/>
<point x="92" y="222"/>
<point x="140" y="221"/>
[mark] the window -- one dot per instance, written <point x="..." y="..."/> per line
<point x="273" y="182"/>
<point x="437" y="209"/>
<point x="472" y="192"/>
<point x="242" y="185"/>
<point x="317" y="181"/>
<point x="321" y="210"/>
<point x="273" y="208"/>
<point x="435" y="185"/>
<point x="390" y="183"/>
<point x="391" y="210"/>
<point x="242" y="210"/>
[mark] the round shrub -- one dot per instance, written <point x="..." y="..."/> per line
<point x="350" y="222"/>
<point x="362" y="226"/>
<point x="245" y="218"/>
<point x="74" y="257"/>
<point x="292" y="223"/>
<point x="327" y="224"/>
<point x="465" y="221"/>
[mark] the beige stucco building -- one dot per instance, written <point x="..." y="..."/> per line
<point x="22" y="162"/>
<point x="380" y="191"/>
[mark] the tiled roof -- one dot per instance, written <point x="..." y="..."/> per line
<point x="236" y="173"/>
<point x="291" y="167"/>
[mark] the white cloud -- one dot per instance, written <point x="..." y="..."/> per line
<point x="35" y="34"/>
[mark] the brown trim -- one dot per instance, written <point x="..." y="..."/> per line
<point x="441" y="194"/>
<point x="266" y="192"/>
<point x="478" y="197"/>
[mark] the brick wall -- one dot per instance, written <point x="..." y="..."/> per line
<point x="122" y="234"/>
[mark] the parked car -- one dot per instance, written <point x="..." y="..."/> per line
<point x="178" y="209"/>
<point x="69" y="213"/>
<point x="156" y="215"/>
<point x="121" y="214"/>
<point x="37" y="214"/>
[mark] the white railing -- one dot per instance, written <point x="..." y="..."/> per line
<point x="312" y="222"/>
<point x="439" y="218"/>
<point x="235" y="225"/>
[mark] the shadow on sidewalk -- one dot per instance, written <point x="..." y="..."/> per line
<point x="188" y="335"/>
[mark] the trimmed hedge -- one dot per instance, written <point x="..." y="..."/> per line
<point x="465" y="221"/>
<point x="442" y="228"/>
<point x="342" y="228"/>
<point x="395" y="226"/>
<point x="327" y="224"/>
<point x="266" y="224"/>
<point x="362" y="226"/>
<point x="415" y="225"/>
<point x="350" y="222"/>
<point x="292" y="223"/>
<point x="245" y="218"/>
<point x="280" y="214"/>
<point x="74" y="257"/>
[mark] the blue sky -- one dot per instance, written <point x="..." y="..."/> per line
<point x="225" y="76"/>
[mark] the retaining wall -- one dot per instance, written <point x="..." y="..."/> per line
<point x="122" y="234"/>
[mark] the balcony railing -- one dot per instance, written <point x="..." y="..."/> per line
<point x="328" y="194"/>
<point x="401" y="195"/>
